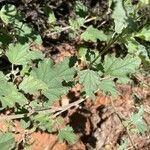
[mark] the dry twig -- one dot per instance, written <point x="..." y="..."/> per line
<point x="52" y="110"/>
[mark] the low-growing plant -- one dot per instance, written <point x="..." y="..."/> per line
<point x="32" y="82"/>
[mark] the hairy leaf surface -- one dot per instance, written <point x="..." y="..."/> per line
<point x="67" y="134"/>
<point x="21" y="55"/>
<point x="31" y="85"/>
<point x="108" y="86"/>
<point x="119" y="16"/>
<point x="144" y="33"/>
<point x="138" y="121"/>
<point x="9" y="94"/>
<point x="7" y="141"/>
<point x="90" y="80"/>
<point x="53" y="76"/>
<point x="93" y="34"/>
<point x="137" y="49"/>
<point x="7" y="13"/>
<point x="121" y="68"/>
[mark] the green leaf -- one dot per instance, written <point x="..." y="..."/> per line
<point x="86" y="54"/>
<point x="55" y="90"/>
<point x="124" y="144"/>
<point x="119" y="16"/>
<point x="82" y="53"/>
<point x="35" y="55"/>
<point x="66" y="134"/>
<point x="25" y="123"/>
<point x="76" y="23"/>
<point x="121" y="68"/>
<point x="108" y="86"/>
<point x="56" y="29"/>
<point x="51" y="16"/>
<point x="25" y="33"/>
<point x="93" y="34"/>
<point x="46" y="123"/>
<point x="7" y="141"/>
<point x="9" y="94"/>
<point x="25" y="70"/>
<point x="137" y="49"/>
<point x="91" y="83"/>
<point x="13" y="97"/>
<point x="43" y="70"/>
<point x="131" y="10"/>
<point x="8" y="13"/>
<point x="31" y="85"/>
<point x="37" y="106"/>
<point x="144" y="33"/>
<point x="90" y="80"/>
<point x="132" y="46"/>
<point x="43" y="122"/>
<point x="22" y="29"/>
<point x="81" y="9"/>
<point x="38" y="40"/>
<point x="138" y="121"/>
<point x="53" y="76"/>
<point x="143" y="3"/>
<point x="144" y="55"/>
<point x="19" y="54"/>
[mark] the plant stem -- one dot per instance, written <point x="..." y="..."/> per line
<point x="12" y="72"/>
<point x="69" y="27"/>
<point x="121" y="120"/>
<point x="12" y="68"/>
<point x="106" y="48"/>
<point x="57" y="110"/>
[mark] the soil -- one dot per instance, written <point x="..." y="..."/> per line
<point x="95" y="123"/>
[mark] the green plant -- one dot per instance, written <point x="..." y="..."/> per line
<point x="46" y="82"/>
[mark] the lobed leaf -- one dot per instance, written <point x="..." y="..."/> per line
<point x="91" y="83"/>
<point x="19" y="54"/>
<point x="108" y="86"/>
<point x="67" y="134"/>
<point x="138" y="121"/>
<point x="121" y="68"/>
<point x="53" y="76"/>
<point x="9" y="94"/>
<point x="7" y="141"/>
<point x="139" y="50"/>
<point x="93" y="34"/>
<point x="144" y="33"/>
<point x="31" y="85"/>
<point x="90" y="80"/>
<point x="8" y="13"/>
<point x="119" y="16"/>
<point x="76" y="23"/>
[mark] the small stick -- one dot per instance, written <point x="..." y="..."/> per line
<point x="64" y="108"/>
<point x="69" y="27"/>
<point x="59" y="110"/>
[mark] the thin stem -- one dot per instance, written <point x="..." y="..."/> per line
<point x="105" y="78"/>
<point x="64" y="108"/>
<point x="57" y="110"/>
<point x="62" y="30"/>
<point x="12" y="68"/>
<point x="69" y="27"/>
<point x="121" y="120"/>
<point x="106" y="48"/>
<point x="90" y="19"/>
<point x="12" y="72"/>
